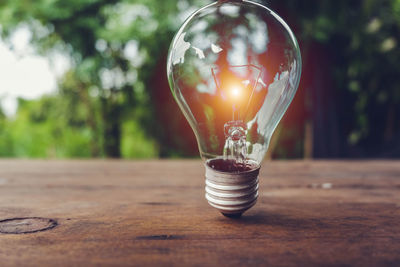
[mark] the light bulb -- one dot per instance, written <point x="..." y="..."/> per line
<point x="233" y="68"/>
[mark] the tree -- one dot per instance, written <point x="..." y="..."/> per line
<point x="109" y="42"/>
<point x="348" y="103"/>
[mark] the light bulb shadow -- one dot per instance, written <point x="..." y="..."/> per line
<point x="265" y="218"/>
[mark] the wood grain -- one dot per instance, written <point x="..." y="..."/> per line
<point x="146" y="213"/>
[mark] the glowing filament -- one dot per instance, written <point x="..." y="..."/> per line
<point x="236" y="92"/>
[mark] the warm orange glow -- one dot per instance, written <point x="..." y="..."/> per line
<point x="236" y="91"/>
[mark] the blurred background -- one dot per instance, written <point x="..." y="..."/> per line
<point x="87" y="78"/>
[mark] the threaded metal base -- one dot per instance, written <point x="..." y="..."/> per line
<point x="231" y="193"/>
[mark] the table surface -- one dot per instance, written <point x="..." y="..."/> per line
<point x="143" y="213"/>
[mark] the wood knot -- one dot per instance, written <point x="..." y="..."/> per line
<point x="26" y="225"/>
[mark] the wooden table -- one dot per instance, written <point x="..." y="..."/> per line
<point x="105" y="212"/>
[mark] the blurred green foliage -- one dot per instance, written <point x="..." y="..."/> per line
<point x="350" y="85"/>
<point x="115" y="101"/>
<point x="117" y="41"/>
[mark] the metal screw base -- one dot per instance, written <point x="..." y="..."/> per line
<point x="231" y="193"/>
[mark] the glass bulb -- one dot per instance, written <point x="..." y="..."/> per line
<point x="233" y="68"/>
